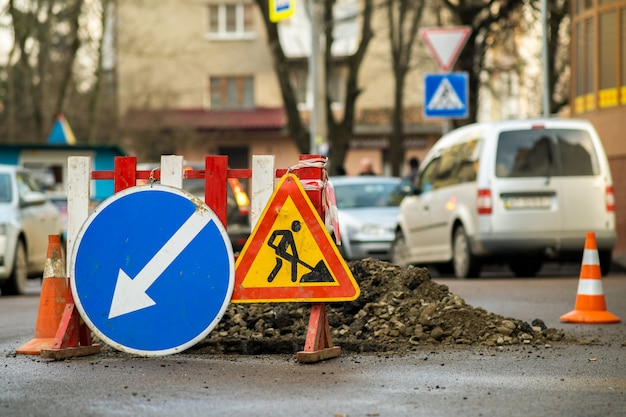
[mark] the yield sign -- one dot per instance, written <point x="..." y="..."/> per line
<point x="290" y="256"/>
<point x="445" y="43"/>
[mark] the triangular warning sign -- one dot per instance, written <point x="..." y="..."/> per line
<point x="290" y="256"/>
<point x="445" y="98"/>
<point x="445" y="43"/>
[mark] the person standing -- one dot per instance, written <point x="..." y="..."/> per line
<point x="366" y="167"/>
<point x="414" y="165"/>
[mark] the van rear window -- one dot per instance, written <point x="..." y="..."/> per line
<point x="546" y="153"/>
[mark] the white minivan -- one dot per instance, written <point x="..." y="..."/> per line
<point x="518" y="192"/>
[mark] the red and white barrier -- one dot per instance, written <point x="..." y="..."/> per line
<point x="311" y="170"/>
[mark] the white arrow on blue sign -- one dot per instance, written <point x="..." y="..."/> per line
<point x="152" y="270"/>
<point x="446" y="95"/>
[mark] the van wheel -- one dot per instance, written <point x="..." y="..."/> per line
<point x="465" y="264"/>
<point x="399" y="250"/>
<point x="528" y="268"/>
<point x="16" y="284"/>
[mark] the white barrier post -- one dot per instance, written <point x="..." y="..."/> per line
<point x="78" y="197"/>
<point x="172" y="170"/>
<point x="263" y="176"/>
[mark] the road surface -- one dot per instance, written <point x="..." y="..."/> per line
<point x="586" y="379"/>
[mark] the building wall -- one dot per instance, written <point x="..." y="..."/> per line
<point x="598" y="86"/>
<point x="610" y="125"/>
<point x="164" y="57"/>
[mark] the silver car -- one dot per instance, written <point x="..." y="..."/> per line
<point x="27" y="218"/>
<point x="367" y="210"/>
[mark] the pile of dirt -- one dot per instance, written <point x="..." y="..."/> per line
<point x="398" y="310"/>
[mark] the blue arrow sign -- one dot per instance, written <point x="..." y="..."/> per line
<point x="152" y="270"/>
<point x="446" y="95"/>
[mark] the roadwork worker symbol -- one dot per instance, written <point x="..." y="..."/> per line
<point x="284" y="245"/>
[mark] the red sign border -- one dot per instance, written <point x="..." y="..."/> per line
<point x="445" y="67"/>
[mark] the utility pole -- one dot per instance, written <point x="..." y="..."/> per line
<point x="544" y="59"/>
<point x="317" y="79"/>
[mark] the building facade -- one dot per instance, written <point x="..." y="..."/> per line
<point x="197" y="78"/>
<point x="598" y="85"/>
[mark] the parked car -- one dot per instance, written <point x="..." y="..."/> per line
<point x="27" y="218"/>
<point x="519" y="192"/>
<point x="367" y="207"/>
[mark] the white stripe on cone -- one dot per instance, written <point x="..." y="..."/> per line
<point x="590" y="287"/>
<point x="590" y="257"/>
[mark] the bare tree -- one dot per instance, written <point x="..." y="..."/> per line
<point x="485" y="18"/>
<point x="403" y="19"/>
<point x="295" y="124"/>
<point x="96" y="93"/>
<point x="340" y="131"/>
<point x="41" y="67"/>
<point x="73" y="43"/>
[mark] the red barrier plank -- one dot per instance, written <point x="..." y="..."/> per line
<point x="125" y="172"/>
<point x="215" y="177"/>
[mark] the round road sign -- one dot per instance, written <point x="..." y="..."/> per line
<point x="152" y="270"/>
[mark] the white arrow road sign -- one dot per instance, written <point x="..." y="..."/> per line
<point x="130" y="294"/>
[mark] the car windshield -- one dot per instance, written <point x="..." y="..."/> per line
<point x="5" y="188"/>
<point x="545" y="152"/>
<point x="367" y="195"/>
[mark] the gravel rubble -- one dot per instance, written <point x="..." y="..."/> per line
<point x="398" y="310"/>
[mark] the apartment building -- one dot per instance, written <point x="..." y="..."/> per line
<point x="197" y="78"/>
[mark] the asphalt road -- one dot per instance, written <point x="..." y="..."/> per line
<point x="586" y="379"/>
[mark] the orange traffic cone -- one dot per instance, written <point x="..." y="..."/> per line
<point x="590" y="305"/>
<point x="54" y="290"/>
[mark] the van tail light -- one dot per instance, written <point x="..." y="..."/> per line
<point x="610" y="199"/>
<point x="484" y="202"/>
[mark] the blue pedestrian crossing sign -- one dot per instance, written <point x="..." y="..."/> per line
<point x="152" y="271"/>
<point x="446" y="95"/>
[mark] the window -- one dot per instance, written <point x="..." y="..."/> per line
<point x="580" y="62"/>
<point x="622" y="58"/>
<point x="5" y="188"/>
<point x="457" y="165"/>
<point x="599" y="52"/>
<point x="367" y="195"/>
<point x="427" y="177"/>
<point x="608" y="50"/>
<point x="231" y="92"/>
<point x="589" y="50"/>
<point x="542" y="153"/>
<point x="231" y="21"/>
<point x="26" y="184"/>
